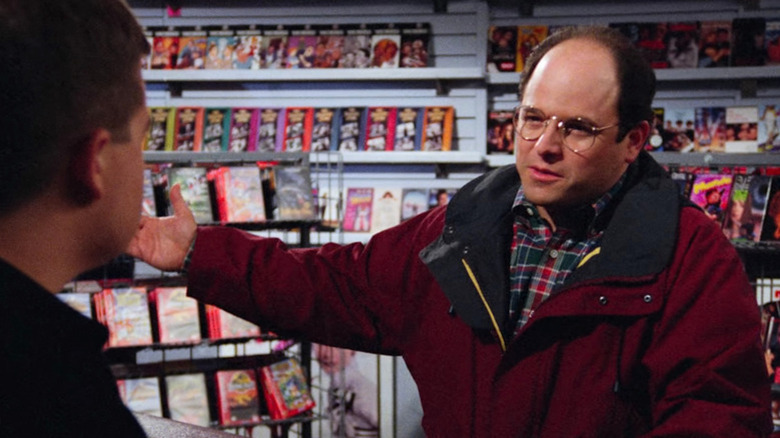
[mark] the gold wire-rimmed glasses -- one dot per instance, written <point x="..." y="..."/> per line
<point x="578" y="134"/>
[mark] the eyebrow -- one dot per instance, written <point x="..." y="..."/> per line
<point x="584" y="119"/>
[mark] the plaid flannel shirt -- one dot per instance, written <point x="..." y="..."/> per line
<point x="541" y="258"/>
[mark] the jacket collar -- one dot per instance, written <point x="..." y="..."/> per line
<point x="640" y="227"/>
<point x="638" y="242"/>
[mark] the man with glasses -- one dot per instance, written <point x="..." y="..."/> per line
<point x="573" y="294"/>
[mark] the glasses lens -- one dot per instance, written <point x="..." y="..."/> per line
<point x="530" y="123"/>
<point x="577" y="134"/>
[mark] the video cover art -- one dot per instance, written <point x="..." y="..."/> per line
<point x="741" y="129"/>
<point x="413" y="202"/>
<point x="269" y="129"/>
<point x="189" y="129"/>
<point x="528" y="37"/>
<point x="357" y="211"/>
<point x="408" y="128"/>
<point x="683" y="44"/>
<point x="350" y="128"/>
<point x="216" y="128"/>
<point x="242" y="128"/>
<point x="768" y="138"/>
<point x="714" y="43"/>
<point x="502" y="49"/>
<point x="300" y="48"/>
<point x="385" y="209"/>
<point x="192" y="55"/>
<point x="297" y="129"/>
<point x="188" y="398"/>
<point x="165" y="49"/>
<point x="285" y="388"/>
<point x="322" y="134"/>
<point x="177" y="315"/>
<point x="357" y="48"/>
<point x="220" y="46"/>
<point x="238" y="397"/>
<point x="294" y="197"/>
<point x="249" y="46"/>
<point x="194" y="189"/>
<point x="385" y="47"/>
<point x="437" y="132"/>
<point x="710" y="129"/>
<point x="160" y="136"/>
<point x="380" y="128"/>
<point x="711" y="192"/>
<point x="415" y="41"/>
<point x="274" y="54"/>
<point x="745" y="212"/>
<point x="501" y="132"/>
<point x="141" y="395"/>
<point x="329" y="48"/>
<point x="244" y="200"/>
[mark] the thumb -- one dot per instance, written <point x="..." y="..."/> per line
<point x="177" y="201"/>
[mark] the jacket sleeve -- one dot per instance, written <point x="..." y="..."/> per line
<point x="354" y="296"/>
<point x="707" y="375"/>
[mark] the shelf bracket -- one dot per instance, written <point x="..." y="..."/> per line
<point x="526" y="8"/>
<point x="442" y="88"/>
<point x="440" y="6"/>
<point x="441" y="171"/>
<point x="173" y="8"/>
<point x="750" y="5"/>
<point x="175" y="89"/>
<point x="748" y="88"/>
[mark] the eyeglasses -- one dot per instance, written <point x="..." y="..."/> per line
<point x="578" y="134"/>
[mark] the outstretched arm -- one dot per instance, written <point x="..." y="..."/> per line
<point x="163" y="242"/>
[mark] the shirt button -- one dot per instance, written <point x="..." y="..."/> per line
<point x="530" y="211"/>
<point x="554" y="254"/>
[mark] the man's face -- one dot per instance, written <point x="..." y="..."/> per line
<point x="574" y="79"/>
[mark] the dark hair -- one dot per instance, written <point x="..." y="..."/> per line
<point x="635" y="76"/>
<point x="70" y="67"/>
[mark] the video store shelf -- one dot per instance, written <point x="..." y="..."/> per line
<point x="677" y="74"/>
<point x="698" y="159"/>
<point x="315" y="74"/>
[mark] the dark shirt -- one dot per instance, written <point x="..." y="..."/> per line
<point x="54" y="378"/>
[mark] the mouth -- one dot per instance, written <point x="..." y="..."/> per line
<point x="544" y="175"/>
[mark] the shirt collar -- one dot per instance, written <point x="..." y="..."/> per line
<point x="526" y="209"/>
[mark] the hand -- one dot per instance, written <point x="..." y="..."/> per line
<point x="163" y="242"/>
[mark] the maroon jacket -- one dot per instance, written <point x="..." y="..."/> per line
<point x="655" y="334"/>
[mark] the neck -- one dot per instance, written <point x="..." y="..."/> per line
<point x="576" y="219"/>
<point x="547" y="215"/>
<point x="38" y="239"/>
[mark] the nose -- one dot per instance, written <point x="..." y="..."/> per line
<point x="550" y="142"/>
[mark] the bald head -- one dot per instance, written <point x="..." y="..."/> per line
<point x="634" y="77"/>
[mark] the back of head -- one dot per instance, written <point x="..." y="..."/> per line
<point x="635" y="75"/>
<point x="70" y="67"/>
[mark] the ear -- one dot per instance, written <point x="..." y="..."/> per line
<point x="635" y="140"/>
<point x="86" y="172"/>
